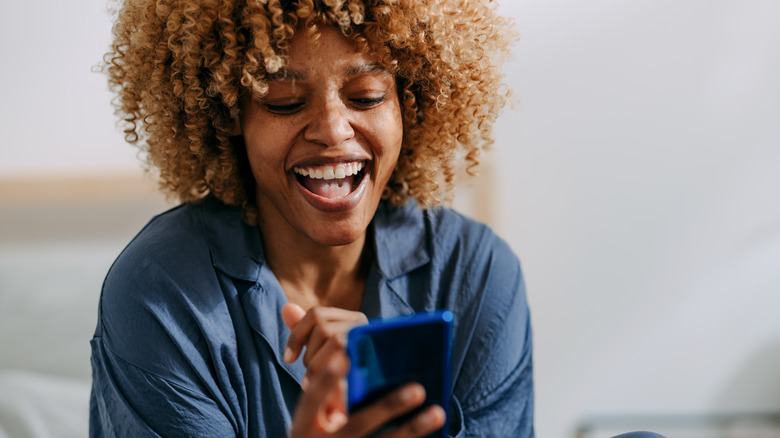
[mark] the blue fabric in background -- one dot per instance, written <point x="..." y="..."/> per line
<point x="639" y="435"/>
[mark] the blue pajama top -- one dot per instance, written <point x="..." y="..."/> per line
<point x="189" y="338"/>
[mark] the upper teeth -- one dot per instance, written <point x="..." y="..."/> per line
<point x="334" y="171"/>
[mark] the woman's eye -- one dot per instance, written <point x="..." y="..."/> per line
<point x="368" y="102"/>
<point x="287" y="108"/>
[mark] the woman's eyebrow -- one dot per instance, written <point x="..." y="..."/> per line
<point x="361" y="69"/>
<point x="286" y="75"/>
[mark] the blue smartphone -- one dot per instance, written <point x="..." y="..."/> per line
<point x="385" y="354"/>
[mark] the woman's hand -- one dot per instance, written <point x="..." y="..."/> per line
<point x="321" y="408"/>
<point x="315" y="328"/>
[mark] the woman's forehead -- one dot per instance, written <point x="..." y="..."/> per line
<point x="326" y="45"/>
<point x="351" y="70"/>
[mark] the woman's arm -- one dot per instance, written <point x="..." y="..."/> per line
<point x="128" y="401"/>
<point x="495" y="381"/>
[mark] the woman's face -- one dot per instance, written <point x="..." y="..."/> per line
<point x="324" y="141"/>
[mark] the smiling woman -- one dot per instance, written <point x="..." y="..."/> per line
<point x="180" y="100"/>
<point x="308" y="142"/>
<point x="323" y="118"/>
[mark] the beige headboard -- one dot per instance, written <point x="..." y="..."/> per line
<point x="68" y="208"/>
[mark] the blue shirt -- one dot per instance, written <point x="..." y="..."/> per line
<point x="189" y="337"/>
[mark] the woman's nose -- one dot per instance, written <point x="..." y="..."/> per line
<point x="330" y="124"/>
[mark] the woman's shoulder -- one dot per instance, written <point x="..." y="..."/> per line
<point x="171" y="260"/>
<point x="170" y="238"/>
<point x="461" y="258"/>
<point x="454" y="234"/>
<point x="158" y="286"/>
<point x="443" y="225"/>
<point x="167" y="255"/>
<point x="183" y="239"/>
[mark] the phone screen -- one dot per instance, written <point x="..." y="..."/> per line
<point x="385" y="354"/>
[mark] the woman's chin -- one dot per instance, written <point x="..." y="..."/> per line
<point x="338" y="234"/>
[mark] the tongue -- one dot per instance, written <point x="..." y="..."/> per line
<point x="331" y="189"/>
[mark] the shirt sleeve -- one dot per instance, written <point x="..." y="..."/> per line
<point x="152" y="374"/>
<point x="495" y="383"/>
<point x="130" y="402"/>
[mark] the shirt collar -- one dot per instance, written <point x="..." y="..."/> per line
<point x="237" y="248"/>
<point x="399" y="239"/>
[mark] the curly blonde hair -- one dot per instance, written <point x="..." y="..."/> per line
<point x="180" y="67"/>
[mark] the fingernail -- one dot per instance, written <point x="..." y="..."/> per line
<point x="424" y="420"/>
<point x="410" y="394"/>
<point x="288" y="355"/>
<point x="428" y="418"/>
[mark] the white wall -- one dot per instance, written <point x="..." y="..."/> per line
<point x="637" y="180"/>
<point x="55" y="115"/>
<point x="639" y="183"/>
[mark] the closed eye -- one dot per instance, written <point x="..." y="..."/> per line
<point x="367" y="102"/>
<point x="290" y="108"/>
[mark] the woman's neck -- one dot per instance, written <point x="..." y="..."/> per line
<point x="312" y="274"/>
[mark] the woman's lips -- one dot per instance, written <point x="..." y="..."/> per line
<point x="331" y="171"/>
<point x="332" y="181"/>
<point x="332" y="187"/>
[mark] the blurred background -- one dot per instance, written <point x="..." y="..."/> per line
<point x="637" y="179"/>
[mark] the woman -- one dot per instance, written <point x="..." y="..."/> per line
<point x="310" y="142"/>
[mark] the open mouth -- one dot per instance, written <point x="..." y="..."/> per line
<point x="331" y="181"/>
